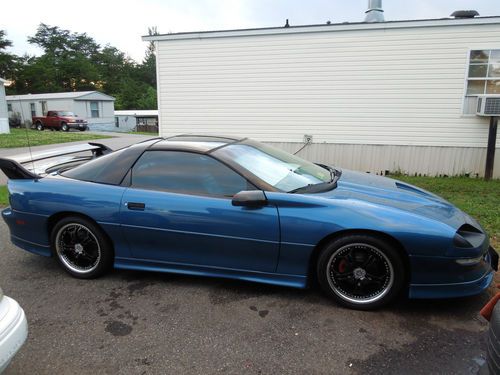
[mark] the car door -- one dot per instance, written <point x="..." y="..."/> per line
<point x="178" y="210"/>
<point x="51" y="119"/>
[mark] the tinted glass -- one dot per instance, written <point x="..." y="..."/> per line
<point x="95" y="170"/>
<point x="278" y="168"/>
<point x="186" y="173"/>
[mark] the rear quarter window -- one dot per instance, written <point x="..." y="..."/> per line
<point x="103" y="170"/>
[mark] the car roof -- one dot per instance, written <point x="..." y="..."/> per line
<point x="194" y="143"/>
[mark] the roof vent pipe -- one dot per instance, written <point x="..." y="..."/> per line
<point x="465" y="14"/>
<point x="375" y="13"/>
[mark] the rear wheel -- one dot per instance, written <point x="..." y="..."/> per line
<point x="64" y="127"/>
<point x="81" y="247"/>
<point x="361" y="272"/>
<point x="39" y="126"/>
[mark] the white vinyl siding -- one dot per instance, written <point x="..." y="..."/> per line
<point x="394" y="86"/>
<point x="4" y="122"/>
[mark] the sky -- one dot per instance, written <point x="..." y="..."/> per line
<point x="122" y="23"/>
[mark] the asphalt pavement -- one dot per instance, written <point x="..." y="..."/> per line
<point x="130" y="322"/>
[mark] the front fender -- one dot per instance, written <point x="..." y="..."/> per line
<point x="306" y="220"/>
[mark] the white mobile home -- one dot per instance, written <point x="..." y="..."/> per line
<point x="4" y="120"/>
<point x="371" y="96"/>
<point x="136" y="120"/>
<point x="96" y="107"/>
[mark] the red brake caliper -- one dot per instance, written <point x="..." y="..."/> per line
<point x="342" y="265"/>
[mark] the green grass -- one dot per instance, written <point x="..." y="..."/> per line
<point x="478" y="198"/>
<point x="17" y="137"/>
<point x="4" y="196"/>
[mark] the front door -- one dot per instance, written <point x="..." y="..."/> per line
<point x="178" y="210"/>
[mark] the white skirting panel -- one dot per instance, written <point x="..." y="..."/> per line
<point x="4" y="125"/>
<point x="380" y="159"/>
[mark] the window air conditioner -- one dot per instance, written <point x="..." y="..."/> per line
<point x="488" y="105"/>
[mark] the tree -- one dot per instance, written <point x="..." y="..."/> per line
<point x="76" y="62"/>
<point x="8" y="61"/>
<point x="148" y="67"/>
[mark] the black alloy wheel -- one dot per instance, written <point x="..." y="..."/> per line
<point x="81" y="247"/>
<point x="360" y="271"/>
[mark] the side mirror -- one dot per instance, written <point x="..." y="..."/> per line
<point x="251" y="198"/>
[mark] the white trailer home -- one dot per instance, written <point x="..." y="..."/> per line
<point x="136" y="120"/>
<point x="4" y="118"/>
<point x="96" y="107"/>
<point x="371" y="96"/>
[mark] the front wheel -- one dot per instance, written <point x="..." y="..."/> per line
<point x="64" y="127"/>
<point x="361" y="272"/>
<point x="81" y="247"/>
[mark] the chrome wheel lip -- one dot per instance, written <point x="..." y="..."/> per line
<point x="66" y="261"/>
<point x="360" y="301"/>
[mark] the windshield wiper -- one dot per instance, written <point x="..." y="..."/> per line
<point x="322" y="186"/>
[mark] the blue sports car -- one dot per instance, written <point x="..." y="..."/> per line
<point x="237" y="208"/>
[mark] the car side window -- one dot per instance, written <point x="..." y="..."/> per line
<point x="186" y="173"/>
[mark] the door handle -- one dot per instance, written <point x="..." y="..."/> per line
<point x="136" y="206"/>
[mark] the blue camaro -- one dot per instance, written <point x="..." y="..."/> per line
<point x="236" y="208"/>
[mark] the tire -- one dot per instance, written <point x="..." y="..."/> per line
<point x="81" y="247"/>
<point x="361" y="272"/>
<point x="64" y="127"/>
<point x="82" y="130"/>
<point x="39" y="126"/>
<point x="493" y="345"/>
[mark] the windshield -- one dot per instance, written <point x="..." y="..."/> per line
<point x="278" y="168"/>
<point x="66" y="113"/>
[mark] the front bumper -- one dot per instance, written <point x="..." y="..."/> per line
<point x="455" y="280"/>
<point x="13" y="330"/>
<point x="78" y="125"/>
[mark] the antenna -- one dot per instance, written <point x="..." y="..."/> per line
<point x="27" y="135"/>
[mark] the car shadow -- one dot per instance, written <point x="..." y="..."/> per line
<point x="223" y="291"/>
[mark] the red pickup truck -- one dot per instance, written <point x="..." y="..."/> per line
<point x="59" y="120"/>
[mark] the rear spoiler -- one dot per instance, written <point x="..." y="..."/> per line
<point x="14" y="169"/>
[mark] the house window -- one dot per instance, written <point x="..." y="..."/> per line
<point x="94" y="109"/>
<point x="33" y="109"/>
<point x="117" y="122"/>
<point x="44" y="106"/>
<point x="483" y="77"/>
<point x="9" y="107"/>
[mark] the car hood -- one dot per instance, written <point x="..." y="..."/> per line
<point x="70" y="118"/>
<point x="396" y="194"/>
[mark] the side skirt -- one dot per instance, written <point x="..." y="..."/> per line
<point x="294" y="281"/>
